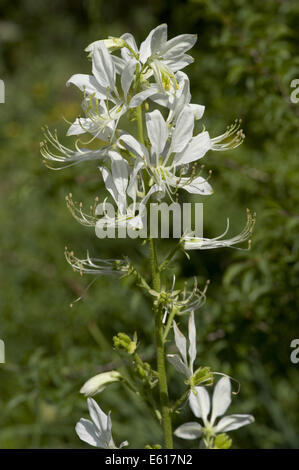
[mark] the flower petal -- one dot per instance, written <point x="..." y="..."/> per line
<point x="200" y="403"/>
<point x="103" y="67"/>
<point x="154" y="41"/>
<point x="87" y="433"/>
<point x="178" y="364"/>
<point x="177" y="46"/>
<point x="232" y="422"/>
<point x="157" y="130"/>
<point x="142" y="96"/>
<point x="127" y="76"/>
<point x="197" y="186"/>
<point x="133" y="145"/>
<point x="221" y="398"/>
<point x="98" y="417"/>
<point x="192" y="340"/>
<point x="88" y="84"/>
<point x="183" y="131"/>
<point x="190" y="430"/>
<point x="197" y="148"/>
<point x="197" y="110"/>
<point x="180" y="342"/>
<point x="178" y="64"/>
<point x="130" y="40"/>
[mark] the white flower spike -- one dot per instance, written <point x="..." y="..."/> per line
<point x="97" y="432"/>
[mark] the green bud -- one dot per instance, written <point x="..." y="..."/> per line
<point x="113" y="43"/>
<point x="154" y="446"/>
<point x="222" y="441"/>
<point x="124" y="343"/>
<point x="201" y="375"/>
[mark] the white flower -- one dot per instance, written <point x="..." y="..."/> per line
<point x="180" y="362"/>
<point x="201" y="407"/>
<point x="100" y="121"/>
<point x="121" y="184"/>
<point x="65" y="156"/>
<point x="171" y="150"/>
<point x="99" y="382"/>
<point x="179" y="98"/>
<point x="97" y="432"/>
<point x="156" y="56"/>
<point x="196" y="243"/>
<point x="102" y="83"/>
<point x="96" y="266"/>
<point x="166" y="57"/>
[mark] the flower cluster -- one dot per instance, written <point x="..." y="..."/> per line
<point x="162" y="160"/>
<point x="125" y="80"/>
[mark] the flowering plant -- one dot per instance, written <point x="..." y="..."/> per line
<point x="129" y="84"/>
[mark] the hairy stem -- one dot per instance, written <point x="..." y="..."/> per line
<point x="164" y="401"/>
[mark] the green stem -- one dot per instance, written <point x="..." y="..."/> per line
<point x="180" y="400"/>
<point x="169" y="257"/>
<point x="164" y="401"/>
<point x="140" y="123"/>
<point x="169" y="323"/>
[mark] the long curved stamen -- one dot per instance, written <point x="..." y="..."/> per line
<point x="231" y="139"/>
<point x="190" y="243"/>
<point x="88" y="220"/>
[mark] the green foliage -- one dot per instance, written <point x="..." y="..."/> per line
<point x="246" y="57"/>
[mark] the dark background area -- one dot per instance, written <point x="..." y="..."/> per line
<point x="245" y="59"/>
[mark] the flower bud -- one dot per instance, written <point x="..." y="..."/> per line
<point x="97" y="383"/>
<point x="125" y="343"/>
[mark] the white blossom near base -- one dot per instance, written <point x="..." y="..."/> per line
<point x="201" y="406"/>
<point x="97" y="432"/>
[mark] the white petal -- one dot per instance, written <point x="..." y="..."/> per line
<point x="133" y="183"/>
<point x="127" y="76"/>
<point x="178" y="364"/>
<point x="118" y="63"/>
<point x="103" y="67"/>
<point x="197" y="148"/>
<point x="176" y="47"/>
<point x="79" y="126"/>
<point x="87" y="433"/>
<point x="123" y="444"/>
<point x="125" y="53"/>
<point x="221" y="398"/>
<point x="197" y="186"/>
<point x="197" y="110"/>
<point x="134" y="146"/>
<point x="190" y="430"/>
<point x="192" y="340"/>
<point x="179" y="64"/>
<point x="97" y="415"/>
<point x="157" y="131"/>
<point x="180" y="341"/>
<point x="229" y="423"/>
<point x="109" y="183"/>
<point x="142" y="96"/>
<point x="120" y="175"/>
<point x="183" y="131"/>
<point x="154" y="41"/>
<point x="200" y="403"/>
<point x="88" y="84"/>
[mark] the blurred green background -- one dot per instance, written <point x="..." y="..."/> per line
<point x="246" y="57"/>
